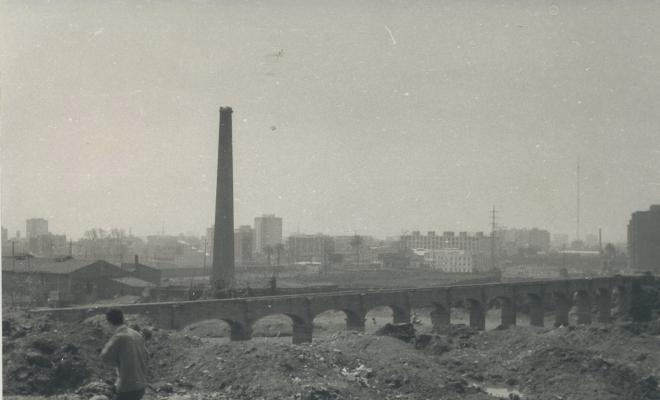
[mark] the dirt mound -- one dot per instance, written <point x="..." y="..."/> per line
<point x="343" y="366"/>
<point x="603" y="362"/>
<point x="585" y="362"/>
<point x="45" y="356"/>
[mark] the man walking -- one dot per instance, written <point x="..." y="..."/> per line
<point x="126" y="351"/>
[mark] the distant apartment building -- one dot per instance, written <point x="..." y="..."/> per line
<point x="35" y="227"/>
<point x="644" y="240"/>
<point x="6" y="247"/>
<point x="243" y="244"/>
<point x="476" y="246"/>
<point x="48" y="245"/>
<point x="352" y="254"/>
<point x="514" y="241"/>
<point x="450" y="260"/>
<point x="164" y="251"/>
<point x="591" y="241"/>
<point x="560" y="241"/>
<point x="477" y="243"/>
<point x="309" y="248"/>
<point x="267" y="232"/>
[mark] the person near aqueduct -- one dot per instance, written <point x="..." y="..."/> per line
<point x="127" y="352"/>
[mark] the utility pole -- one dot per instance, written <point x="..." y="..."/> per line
<point x="492" y="240"/>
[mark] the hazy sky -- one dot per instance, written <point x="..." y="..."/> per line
<point x="378" y="119"/>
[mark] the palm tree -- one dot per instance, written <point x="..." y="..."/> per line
<point x="356" y="243"/>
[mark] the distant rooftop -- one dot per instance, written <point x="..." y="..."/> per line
<point x="46" y="265"/>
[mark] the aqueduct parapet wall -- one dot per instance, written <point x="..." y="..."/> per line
<point x="587" y="295"/>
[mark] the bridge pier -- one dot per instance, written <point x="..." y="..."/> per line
<point x="440" y="319"/>
<point x="623" y="301"/>
<point x="562" y="307"/>
<point x="583" y="305"/>
<point x="536" y="311"/>
<point x="477" y="315"/>
<point x="508" y="313"/>
<point x="302" y="331"/>
<point x="604" y="305"/>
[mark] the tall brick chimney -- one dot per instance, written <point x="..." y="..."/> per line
<point x="222" y="275"/>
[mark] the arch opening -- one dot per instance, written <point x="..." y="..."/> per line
<point x="440" y="318"/>
<point x="209" y="328"/>
<point x="581" y="308"/>
<point x="603" y="305"/>
<point x="378" y="316"/>
<point x="274" y="325"/>
<point x="500" y="313"/>
<point x="476" y="314"/>
<point x="424" y="318"/>
<point x="337" y="320"/>
<point x="536" y="309"/>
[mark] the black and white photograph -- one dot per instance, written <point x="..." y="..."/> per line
<point x="330" y="200"/>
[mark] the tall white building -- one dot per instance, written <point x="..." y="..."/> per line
<point x="449" y="260"/>
<point x="35" y="227"/>
<point x="267" y="232"/>
<point x="477" y="247"/>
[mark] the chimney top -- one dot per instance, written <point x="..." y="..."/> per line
<point x="226" y="109"/>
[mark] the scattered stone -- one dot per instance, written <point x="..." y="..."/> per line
<point x="163" y="387"/>
<point x="96" y="388"/>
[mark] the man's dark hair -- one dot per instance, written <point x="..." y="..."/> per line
<point x="115" y="317"/>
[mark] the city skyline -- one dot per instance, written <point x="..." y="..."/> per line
<point x="590" y="236"/>
<point x="371" y="118"/>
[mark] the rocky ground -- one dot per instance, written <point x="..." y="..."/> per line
<point x="43" y="357"/>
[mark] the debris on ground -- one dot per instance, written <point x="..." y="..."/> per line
<point x="42" y="356"/>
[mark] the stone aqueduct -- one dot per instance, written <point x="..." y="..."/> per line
<point x="591" y="297"/>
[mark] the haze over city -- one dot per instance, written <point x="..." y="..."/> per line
<point x="376" y="118"/>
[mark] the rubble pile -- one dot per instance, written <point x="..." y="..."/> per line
<point x="45" y="356"/>
<point x="344" y="365"/>
<point x="583" y="362"/>
<point x="604" y="362"/>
